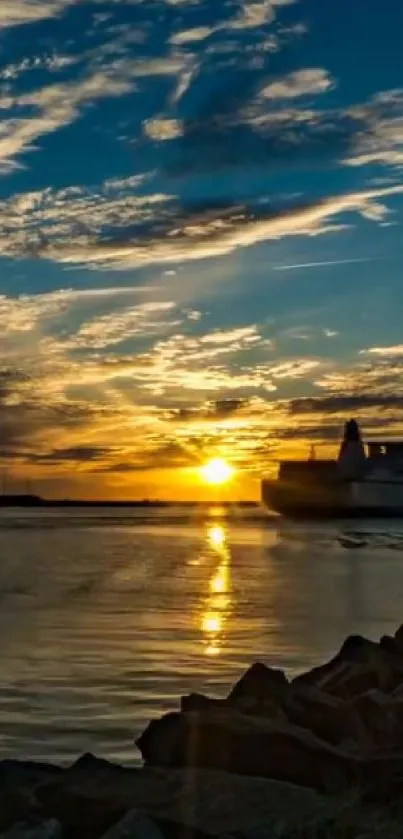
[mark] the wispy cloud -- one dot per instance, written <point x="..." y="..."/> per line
<point x="175" y="397"/>
<point x="300" y="83"/>
<point x="55" y="106"/>
<point x="122" y="325"/>
<point x="192" y="236"/>
<point x="17" y="12"/>
<point x="386" y="352"/>
<point x="197" y="33"/>
<point x="257" y="13"/>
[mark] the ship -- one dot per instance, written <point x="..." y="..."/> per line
<point x="365" y="480"/>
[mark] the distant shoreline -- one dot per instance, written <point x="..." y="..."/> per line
<point x="37" y="501"/>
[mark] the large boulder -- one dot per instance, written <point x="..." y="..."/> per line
<point x="95" y="797"/>
<point x="260" y="686"/>
<point x="221" y="804"/>
<point x="260" y="707"/>
<point x="328" y="717"/>
<point x="19" y="782"/>
<point x="398" y="638"/>
<point x="90" y="797"/>
<point x="378" y="717"/>
<point x="246" y="745"/>
<point x="359" y="666"/>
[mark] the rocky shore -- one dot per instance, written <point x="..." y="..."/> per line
<point x="318" y="756"/>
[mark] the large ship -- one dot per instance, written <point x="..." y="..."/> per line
<point x="366" y="480"/>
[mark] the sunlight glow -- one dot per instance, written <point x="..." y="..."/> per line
<point x="216" y="536"/>
<point x="217" y="471"/>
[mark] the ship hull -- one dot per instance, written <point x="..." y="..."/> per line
<point x="306" y="513"/>
<point x="346" y="500"/>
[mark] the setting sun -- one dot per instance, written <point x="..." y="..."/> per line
<point x="217" y="471"/>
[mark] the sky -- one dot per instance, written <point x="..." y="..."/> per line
<point x="200" y="238"/>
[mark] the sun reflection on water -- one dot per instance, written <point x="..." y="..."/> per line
<point x="216" y="536"/>
<point x="218" y="603"/>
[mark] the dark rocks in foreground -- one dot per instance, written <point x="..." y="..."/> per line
<point x="246" y="745"/>
<point x="329" y="729"/>
<point x="321" y="755"/>
<point x="177" y="804"/>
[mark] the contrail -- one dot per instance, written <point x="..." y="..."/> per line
<point x="322" y="264"/>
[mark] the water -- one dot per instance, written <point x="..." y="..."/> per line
<point x="107" y="617"/>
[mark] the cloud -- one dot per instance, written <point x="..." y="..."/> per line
<point x="51" y="62"/>
<point x="255" y="13"/>
<point x="386" y="352"/>
<point x="381" y="376"/>
<point x="381" y="141"/>
<point x="121" y="325"/>
<point x="55" y="106"/>
<point x="294" y="369"/>
<point x="176" y="398"/>
<point x="163" y="129"/>
<point x="202" y="234"/>
<point x="74" y="454"/>
<point x="17" y="12"/>
<point x="27" y="313"/>
<point x="300" y="83"/>
<point x="243" y="335"/>
<point x="197" y="33"/>
<point x="344" y="404"/>
<point x="206" y="362"/>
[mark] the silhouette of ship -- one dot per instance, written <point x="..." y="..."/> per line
<point x="360" y="483"/>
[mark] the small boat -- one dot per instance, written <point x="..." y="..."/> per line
<point x="366" y="480"/>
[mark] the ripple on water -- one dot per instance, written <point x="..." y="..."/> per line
<point x="105" y="620"/>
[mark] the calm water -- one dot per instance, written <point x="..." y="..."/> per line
<point x="107" y="617"/>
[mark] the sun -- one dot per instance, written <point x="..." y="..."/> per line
<point x="217" y="471"/>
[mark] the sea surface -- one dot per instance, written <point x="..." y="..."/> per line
<point x="108" y="616"/>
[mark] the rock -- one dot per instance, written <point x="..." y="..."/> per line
<point x="158" y="742"/>
<point x="329" y="717"/>
<point x="183" y="803"/>
<point x="246" y="745"/>
<point x="134" y="825"/>
<point x="220" y="804"/>
<point x="398" y="637"/>
<point x="391" y="645"/>
<point x="27" y="773"/>
<point x="350" y="679"/>
<point x="89" y="766"/>
<point x="89" y="797"/>
<point x="199" y="702"/>
<point x="246" y="704"/>
<point x="46" y="830"/>
<point x="359" y="666"/>
<point x="83" y="814"/>
<point x="19" y="782"/>
<point x="376" y="715"/>
<point x="257" y="686"/>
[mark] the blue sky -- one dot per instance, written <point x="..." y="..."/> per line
<point x="200" y="237"/>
